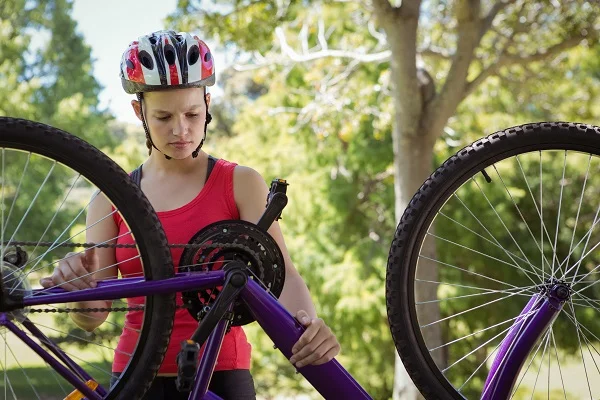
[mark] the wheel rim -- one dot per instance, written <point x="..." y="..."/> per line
<point x="485" y="241"/>
<point x="45" y="200"/>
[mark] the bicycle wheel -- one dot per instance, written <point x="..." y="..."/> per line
<point x="48" y="180"/>
<point x="491" y="227"/>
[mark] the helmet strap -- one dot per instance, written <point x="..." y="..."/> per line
<point x="206" y="122"/>
<point x="148" y="137"/>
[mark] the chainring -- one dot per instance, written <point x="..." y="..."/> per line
<point x="240" y="241"/>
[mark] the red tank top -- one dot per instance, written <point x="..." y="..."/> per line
<point x="215" y="202"/>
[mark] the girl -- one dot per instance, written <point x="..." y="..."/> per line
<point x="189" y="190"/>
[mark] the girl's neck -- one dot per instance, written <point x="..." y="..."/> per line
<point x="159" y="165"/>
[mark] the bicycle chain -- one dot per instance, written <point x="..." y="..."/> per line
<point x="106" y="245"/>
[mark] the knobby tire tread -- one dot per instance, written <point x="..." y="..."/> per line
<point x="420" y="212"/>
<point x="143" y="222"/>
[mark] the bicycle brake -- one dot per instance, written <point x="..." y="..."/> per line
<point x="187" y="364"/>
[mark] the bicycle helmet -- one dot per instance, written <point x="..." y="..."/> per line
<point x="166" y="60"/>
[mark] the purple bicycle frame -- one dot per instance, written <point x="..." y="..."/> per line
<point x="331" y="380"/>
<point x="528" y="328"/>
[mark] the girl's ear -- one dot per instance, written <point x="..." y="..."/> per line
<point x="137" y="108"/>
<point x="207" y="95"/>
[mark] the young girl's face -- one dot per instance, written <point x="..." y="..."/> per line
<point x="175" y="119"/>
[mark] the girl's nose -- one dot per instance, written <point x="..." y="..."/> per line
<point x="180" y="127"/>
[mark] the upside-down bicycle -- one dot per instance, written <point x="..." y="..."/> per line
<point x="486" y="297"/>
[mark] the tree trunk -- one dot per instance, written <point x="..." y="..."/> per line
<point x="413" y="163"/>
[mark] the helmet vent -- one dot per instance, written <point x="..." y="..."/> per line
<point x="193" y="55"/>
<point x="130" y="64"/>
<point x="207" y="57"/>
<point x="146" y="59"/>
<point x="170" y="54"/>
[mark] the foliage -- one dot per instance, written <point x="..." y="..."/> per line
<point x="46" y="74"/>
<point x="325" y="125"/>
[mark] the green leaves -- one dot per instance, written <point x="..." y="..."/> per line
<point x="323" y="120"/>
<point x="46" y="69"/>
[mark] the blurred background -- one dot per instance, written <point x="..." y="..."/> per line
<point x="354" y="102"/>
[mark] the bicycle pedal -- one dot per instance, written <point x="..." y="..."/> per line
<point x="187" y="364"/>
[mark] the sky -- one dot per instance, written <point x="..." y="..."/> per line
<point x="108" y="26"/>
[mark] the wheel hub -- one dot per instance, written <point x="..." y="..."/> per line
<point x="16" y="285"/>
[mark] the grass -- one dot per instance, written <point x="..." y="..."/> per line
<point x="49" y="385"/>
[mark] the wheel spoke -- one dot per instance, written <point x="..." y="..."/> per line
<point x="467" y="295"/>
<point x="503" y="224"/>
<point x="41" y="239"/>
<point x="578" y="330"/>
<point x="597" y="267"/>
<point x="32" y="203"/>
<point x="541" y="362"/>
<point x="480" y="331"/>
<point x="23" y="370"/>
<point x="530" y="362"/>
<point x="17" y="191"/>
<point x="491" y="235"/>
<point x="49" y="182"/>
<point x="4" y="366"/>
<point x="540" y="212"/>
<point x="484" y="362"/>
<point x="474" y="350"/>
<point x="579" y="262"/>
<point x="562" y="381"/>
<point x="522" y="219"/>
<point x="39" y="292"/>
<point x="73" y="356"/>
<point x="486" y="239"/>
<point x="472" y="308"/>
<point x="585" y="237"/>
<point x="588" y="301"/>
<point x="579" y="209"/>
<point x="56" y="245"/>
<point x="527" y="289"/>
<point x="516" y="266"/>
<point x="562" y="186"/>
<point x="468" y="272"/>
<point x="79" y="338"/>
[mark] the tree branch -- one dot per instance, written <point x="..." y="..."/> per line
<point x="439" y="54"/>
<point x="488" y="20"/>
<point x="383" y="7"/>
<point x="506" y="59"/>
<point x="444" y="105"/>
<point x="381" y="38"/>
<point x="545" y="53"/>
<point x="295" y="57"/>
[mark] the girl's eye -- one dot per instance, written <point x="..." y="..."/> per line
<point x="163" y="118"/>
<point x="193" y="115"/>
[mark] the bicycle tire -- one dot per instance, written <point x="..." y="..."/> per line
<point x="419" y="214"/>
<point x="136" y="210"/>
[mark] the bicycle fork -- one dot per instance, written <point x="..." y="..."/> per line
<point x="539" y="313"/>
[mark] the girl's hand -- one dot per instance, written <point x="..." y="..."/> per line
<point x="317" y="345"/>
<point x="74" y="272"/>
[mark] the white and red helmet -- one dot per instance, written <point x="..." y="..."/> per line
<point x="165" y="60"/>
